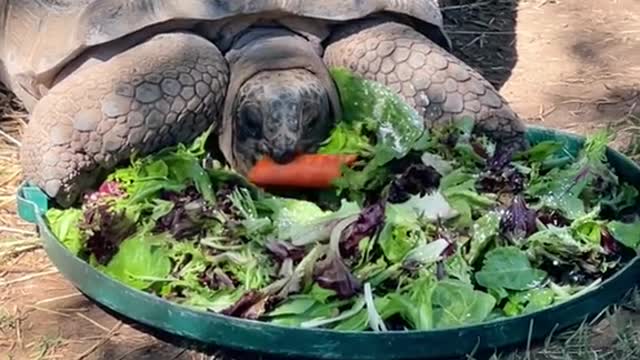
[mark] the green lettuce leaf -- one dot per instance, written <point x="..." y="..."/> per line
<point x="483" y="232"/>
<point x="431" y="207"/>
<point x="141" y="260"/>
<point x="576" y="189"/>
<point x="529" y="301"/>
<point x="65" y="226"/>
<point x="458" y="268"/>
<point x="442" y="166"/>
<point x="459" y="189"/>
<point x="398" y="125"/>
<point x="348" y="138"/>
<point x="588" y="229"/>
<point x="421" y="294"/>
<point x="170" y="169"/>
<point x="398" y="128"/>
<point x="186" y="168"/>
<point x="294" y="306"/>
<point x="288" y="213"/>
<point x="208" y="300"/>
<point x="401" y="232"/>
<point x="318" y="229"/>
<point x="415" y="306"/>
<point x="580" y="241"/>
<point x="540" y="152"/>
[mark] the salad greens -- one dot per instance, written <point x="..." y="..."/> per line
<point x="432" y="228"/>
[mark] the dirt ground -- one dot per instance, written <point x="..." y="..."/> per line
<point x="567" y="64"/>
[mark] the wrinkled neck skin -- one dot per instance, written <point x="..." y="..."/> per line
<point x="281" y="99"/>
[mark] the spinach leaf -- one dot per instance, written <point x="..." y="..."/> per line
<point x="459" y="304"/>
<point x="509" y="268"/>
<point x="626" y="233"/>
<point x="540" y="152"/>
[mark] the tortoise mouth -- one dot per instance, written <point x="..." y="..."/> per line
<point x="245" y="156"/>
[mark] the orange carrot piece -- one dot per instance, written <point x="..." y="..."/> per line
<point x="312" y="171"/>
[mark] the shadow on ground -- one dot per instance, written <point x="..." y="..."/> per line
<point x="589" y="80"/>
<point x="483" y="35"/>
<point x="578" y="65"/>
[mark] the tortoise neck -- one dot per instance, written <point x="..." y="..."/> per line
<point x="272" y="32"/>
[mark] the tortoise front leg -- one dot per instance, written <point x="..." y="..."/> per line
<point x="437" y="84"/>
<point x="164" y="91"/>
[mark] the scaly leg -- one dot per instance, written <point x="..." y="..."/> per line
<point x="437" y="84"/>
<point x="161" y="92"/>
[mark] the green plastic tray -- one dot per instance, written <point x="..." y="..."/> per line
<point x="217" y="330"/>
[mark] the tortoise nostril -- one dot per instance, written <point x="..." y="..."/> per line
<point x="282" y="156"/>
<point x="263" y="147"/>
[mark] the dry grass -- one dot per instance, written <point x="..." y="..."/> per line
<point x="615" y="334"/>
<point x="15" y="235"/>
<point x="483" y="35"/>
<point x="631" y="127"/>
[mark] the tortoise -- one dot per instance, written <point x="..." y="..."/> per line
<point x="103" y="80"/>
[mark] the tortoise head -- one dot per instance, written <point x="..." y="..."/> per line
<point x="280" y="114"/>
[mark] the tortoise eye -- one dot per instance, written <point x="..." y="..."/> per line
<point x="310" y="115"/>
<point x="251" y="123"/>
<point x="314" y="121"/>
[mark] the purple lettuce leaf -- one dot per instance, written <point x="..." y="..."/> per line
<point x="332" y="273"/>
<point x="106" y="229"/>
<point x="187" y="216"/>
<point x="252" y="305"/>
<point x="418" y="179"/>
<point x="499" y="175"/>
<point x="518" y="221"/>
<point x="368" y="223"/>
<point x="107" y="190"/>
<point x="282" y="250"/>
<point x="609" y="243"/>
<point x="215" y="278"/>
<point x="551" y="217"/>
